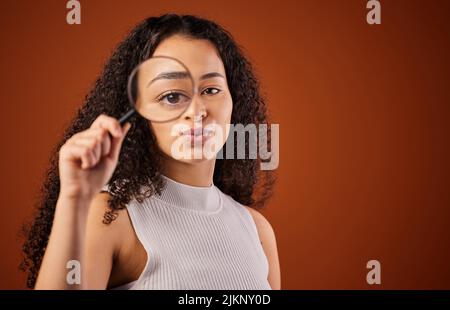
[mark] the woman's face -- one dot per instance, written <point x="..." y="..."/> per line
<point x="211" y="105"/>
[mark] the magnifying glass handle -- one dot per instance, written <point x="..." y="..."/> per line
<point x="126" y="116"/>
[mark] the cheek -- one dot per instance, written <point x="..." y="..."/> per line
<point x="163" y="134"/>
<point x="223" y="115"/>
<point x="229" y="111"/>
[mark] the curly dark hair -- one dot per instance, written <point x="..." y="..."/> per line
<point x="139" y="161"/>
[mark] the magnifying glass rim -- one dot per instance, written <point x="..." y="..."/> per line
<point x="137" y="68"/>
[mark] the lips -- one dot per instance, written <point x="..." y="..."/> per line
<point x="197" y="131"/>
<point x="197" y="134"/>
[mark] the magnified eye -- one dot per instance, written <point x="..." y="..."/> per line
<point x="173" y="98"/>
<point x="211" y="91"/>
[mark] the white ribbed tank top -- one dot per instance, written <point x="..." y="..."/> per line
<point x="197" y="238"/>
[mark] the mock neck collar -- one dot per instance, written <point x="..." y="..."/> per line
<point x="199" y="198"/>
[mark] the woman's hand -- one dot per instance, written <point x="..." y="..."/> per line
<point x="86" y="163"/>
<point x="87" y="160"/>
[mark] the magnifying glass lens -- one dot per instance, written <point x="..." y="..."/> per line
<point x="161" y="88"/>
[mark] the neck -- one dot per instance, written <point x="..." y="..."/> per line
<point x="195" y="174"/>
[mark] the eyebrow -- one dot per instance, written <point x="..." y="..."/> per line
<point x="211" y="75"/>
<point x="183" y="75"/>
<point x="170" y="76"/>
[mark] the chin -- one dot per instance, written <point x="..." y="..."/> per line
<point x="196" y="159"/>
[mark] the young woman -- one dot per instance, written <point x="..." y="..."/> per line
<point x="161" y="222"/>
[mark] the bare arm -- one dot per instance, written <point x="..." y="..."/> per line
<point x="102" y="243"/>
<point x="269" y="244"/>
<point x="86" y="163"/>
<point x="65" y="243"/>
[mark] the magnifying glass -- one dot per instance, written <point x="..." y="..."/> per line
<point x="159" y="89"/>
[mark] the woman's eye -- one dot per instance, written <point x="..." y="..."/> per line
<point x="211" y="91"/>
<point x="172" y="98"/>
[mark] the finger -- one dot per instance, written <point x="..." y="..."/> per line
<point x="101" y="136"/>
<point x="91" y="132"/>
<point x="93" y="144"/>
<point x="78" y="153"/>
<point x="90" y="136"/>
<point x="117" y="142"/>
<point x="109" y="123"/>
<point x="105" y="145"/>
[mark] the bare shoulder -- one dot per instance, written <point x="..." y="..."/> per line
<point x="261" y="222"/>
<point x="265" y="230"/>
<point x="269" y="244"/>
<point x="104" y="240"/>
<point x="99" y="210"/>
<point x="107" y="229"/>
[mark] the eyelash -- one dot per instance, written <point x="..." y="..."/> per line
<point x="165" y="96"/>
<point x="180" y="94"/>
<point x="209" y="88"/>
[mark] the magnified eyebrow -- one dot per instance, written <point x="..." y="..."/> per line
<point x="211" y="75"/>
<point x="170" y="76"/>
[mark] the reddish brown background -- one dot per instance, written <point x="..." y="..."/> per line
<point x="363" y="113"/>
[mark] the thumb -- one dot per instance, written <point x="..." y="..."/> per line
<point x="116" y="143"/>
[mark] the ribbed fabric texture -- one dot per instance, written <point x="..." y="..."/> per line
<point x="197" y="238"/>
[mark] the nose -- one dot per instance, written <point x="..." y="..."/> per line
<point x="196" y="110"/>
